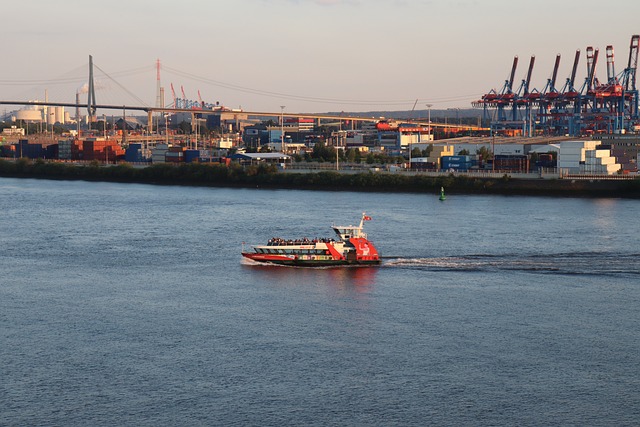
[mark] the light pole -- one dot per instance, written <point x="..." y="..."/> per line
<point x="282" y="129"/>
<point x="429" y="119"/>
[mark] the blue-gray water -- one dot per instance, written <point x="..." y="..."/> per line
<point x="130" y="305"/>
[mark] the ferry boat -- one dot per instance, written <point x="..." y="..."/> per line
<point x="349" y="247"/>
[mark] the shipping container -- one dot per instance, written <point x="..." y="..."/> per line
<point x="511" y="163"/>
<point x="133" y="156"/>
<point x="191" y="156"/>
<point x="459" y="159"/>
<point x="458" y="166"/>
<point x="51" y="151"/>
<point x="424" y="166"/>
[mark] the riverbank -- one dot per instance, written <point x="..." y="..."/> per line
<point x="268" y="177"/>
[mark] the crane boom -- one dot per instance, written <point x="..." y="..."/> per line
<point x="630" y="76"/>
<point x="513" y="74"/>
<point x="555" y="73"/>
<point x="592" y="60"/>
<point x="611" y="73"/>
<point x="173" y="95"/>
<point x="574" y="70"/>
<point x="526" y="85"/>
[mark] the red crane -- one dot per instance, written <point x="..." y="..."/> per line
<point x="173" y="95"/>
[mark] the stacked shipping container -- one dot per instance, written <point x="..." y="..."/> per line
<point x="457" y="163"/>
<point x="69" y="149"/>
<point x="191" y="156"/>
<point x="572" y="154"/>
<point x="599" y="161"/>
<point x="158" y="153"/>
<point x="102" y="150"/>
<point x="511" y="163"/>
<point x="174" y="155"/>
<point x="136" y="154"/>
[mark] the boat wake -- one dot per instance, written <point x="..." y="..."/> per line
<point x="577" y="263"/>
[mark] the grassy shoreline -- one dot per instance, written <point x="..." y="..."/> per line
<point x="265" y="176"/>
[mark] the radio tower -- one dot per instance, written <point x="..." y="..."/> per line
<point x="159" y="93"/>
<point x="158" y="88"/>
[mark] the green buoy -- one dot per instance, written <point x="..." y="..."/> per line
<point x="442" y="196"/>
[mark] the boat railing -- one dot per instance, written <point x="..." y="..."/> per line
<point x="276" y="241"/>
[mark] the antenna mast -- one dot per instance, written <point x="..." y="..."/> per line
<point x="158" y="89"/>
<point x="91" y="97"/>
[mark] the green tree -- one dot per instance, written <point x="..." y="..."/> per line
<point x="351" y="155"/>
<point x="323" y="153"/>
<point x="185" y="127"/>
<point x="484" y="153"/>
<point x="358" y="156"/>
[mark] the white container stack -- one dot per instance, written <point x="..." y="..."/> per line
<point x="599" y="161"/>
<point x="573" y="153"/>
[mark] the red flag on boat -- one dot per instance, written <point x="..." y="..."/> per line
<point x="366" y="218"/>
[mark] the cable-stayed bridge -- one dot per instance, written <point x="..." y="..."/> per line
<point x="74" y="84"/>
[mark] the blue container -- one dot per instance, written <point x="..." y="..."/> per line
<point x="133" y="156"/>
<point x="191" y="156"/>
<point x="51" y="151"/>
<point x="32" y="151"/>
<point x="464" y="159"/>
<point x="459" y="166"/>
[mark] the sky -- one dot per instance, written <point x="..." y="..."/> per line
<point x="306" y="55"/>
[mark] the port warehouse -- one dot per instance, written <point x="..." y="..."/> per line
<point x="611" y="154"/>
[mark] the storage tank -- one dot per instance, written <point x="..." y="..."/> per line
<point x="50" y="113"/>
<point x="29" y="115"/>
<point x="59" y="115"/>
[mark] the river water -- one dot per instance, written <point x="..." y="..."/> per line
<point x="126" y="304"/>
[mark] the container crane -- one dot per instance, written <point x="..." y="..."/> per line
<point x="570" y="94"/>
<point x="612" y="105"/>
<point x="173" y="95"/>
<point x="611" y="71"/>
<point x="550" y="90"/>
<point x="200" y="99"/>
<point x="569" y="90"/>
<point x="524" y="97"/>
<point x="628" y="79"/>
<point x="506" y="95"/>
<point x="591" y="80"/>
<point x="549" y="94"/>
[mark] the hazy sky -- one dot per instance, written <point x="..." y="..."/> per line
<point x="309" y="55"/>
